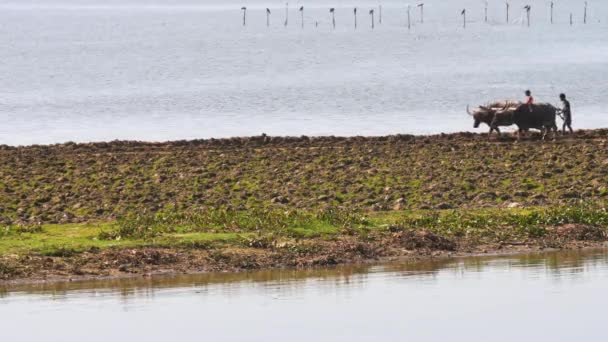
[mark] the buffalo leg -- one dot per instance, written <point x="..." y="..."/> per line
<point x="555" y="130"/>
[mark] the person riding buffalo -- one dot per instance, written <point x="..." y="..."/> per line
<point x="529" y="101"/>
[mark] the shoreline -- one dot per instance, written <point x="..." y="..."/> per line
<point x="266" y="140"/>
<point x="161" y="261"/>
<point x="11" y="285"/>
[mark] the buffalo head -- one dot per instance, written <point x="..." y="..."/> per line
<point x="481" y="114"/>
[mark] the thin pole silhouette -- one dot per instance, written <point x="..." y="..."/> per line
<point x="551" y="12"/>
<point x="409" y="23"/>
<point x="267" y="17"/>
<point x="585" y="14"/>
<point x="379" y="14"/>
<point x="302" y="15"/>
<point x="333" y="17"/>
<point x="507" y="5"/>
<point x="286" y="13"/>
<point x="570" y="19"/>
<point x="371" y="12"/>
<point x="355" y="14"/>
<point x="421" y="5"/>
<point x="528" y="8"/>
<point x="464" y="18"/>
<point x="244" y="9"/>
<point x="485" y="12"/>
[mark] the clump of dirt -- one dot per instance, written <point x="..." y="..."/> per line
<point x="423" y="239"/>
<point x="140" y="257"/>
<point x="578" y="232"/>
<point x="345" y="250"/>
<point x="9" y="269"/>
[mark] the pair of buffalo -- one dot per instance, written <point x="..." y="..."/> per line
<point x="506" y="113"/>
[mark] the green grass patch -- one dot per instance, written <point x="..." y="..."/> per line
<point x="265" y="228"/>
<point x="497" y="224"/>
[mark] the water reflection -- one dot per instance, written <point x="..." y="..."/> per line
<point x="554" y="265"/>
<point x="542" y="297"/>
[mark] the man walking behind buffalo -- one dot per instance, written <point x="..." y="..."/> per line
<point x="566" y="112"/>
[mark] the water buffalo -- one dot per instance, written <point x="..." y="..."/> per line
<point x="539" y="116"/>
<point x="487" y="114"/>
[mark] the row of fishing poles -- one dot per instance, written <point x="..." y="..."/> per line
<point x="527" y="9"/>
<point x="463" y="13"/>
<point x="333" y="17"/>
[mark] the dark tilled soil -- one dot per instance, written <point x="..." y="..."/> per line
<point x="100" y="181"/>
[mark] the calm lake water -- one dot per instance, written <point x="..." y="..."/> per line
<point x="545" y="297"/>
<point x="90" y="70"/>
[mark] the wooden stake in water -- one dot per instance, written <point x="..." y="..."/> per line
<point x="507" y="5"/>
<point x="528" y="8"/>
<point x="333" y="18"/>
<point x="551" y="12"/>
<point x="421" y="5"/>
<point x="244" y="9"/>
<point x="585" y="14"/>
<point x="302" y="15"/>
<point x="464" y="18"/>
<point x="355" y="14"/>
<point x="286" y="13"/>
<point x="409" y="23"/>
<point x="267" y="17"/>
<point x="371" y="13"/>
<point x="570" y="19"/>
<point x="485" y="12"/>
<point x="379" y="14"/>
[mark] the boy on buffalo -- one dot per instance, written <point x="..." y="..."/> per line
<point x="529" y="100"/>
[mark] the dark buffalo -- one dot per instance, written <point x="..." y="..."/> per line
<point x="539" y="116"/>
<point x="487" y="114"/>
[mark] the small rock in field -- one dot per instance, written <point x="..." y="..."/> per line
<point x="279" y="199"/>
<point x="571" y="195"/>
<point x="444" y="206"/>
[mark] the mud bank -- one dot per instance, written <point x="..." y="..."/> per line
<point x="393" y="244"/>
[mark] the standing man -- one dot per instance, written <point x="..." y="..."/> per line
<point x="529" y="100"/>
<point x="566" y="112"/>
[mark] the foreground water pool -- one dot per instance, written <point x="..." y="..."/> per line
<point x="558" y="296"/>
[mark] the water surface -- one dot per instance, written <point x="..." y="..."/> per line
<point x="90" y="70"/>
<point x="546" y="297"/>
